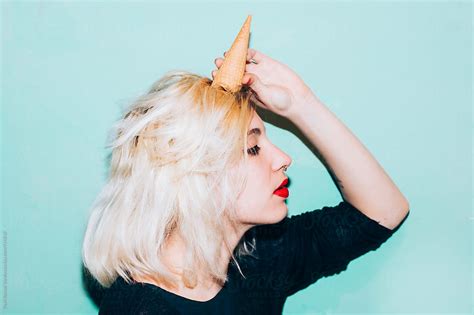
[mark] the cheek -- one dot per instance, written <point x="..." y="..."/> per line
<point x="256" y="196"/>
<point x="252" y="193"/>
<point x="257" y="181"/>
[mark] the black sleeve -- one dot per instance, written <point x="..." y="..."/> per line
<point x="304" y="248"/>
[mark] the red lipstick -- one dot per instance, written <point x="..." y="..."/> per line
<point x="282" y="191"/>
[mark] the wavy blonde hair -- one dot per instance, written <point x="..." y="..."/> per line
<point x="176" y="165"/>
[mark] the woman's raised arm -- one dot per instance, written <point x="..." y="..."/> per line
<point x="361" y="179"/>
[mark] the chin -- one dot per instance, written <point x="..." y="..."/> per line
<point x="267" y="216"/>
<point x="277" y="214"/>
<point x="284" y="213"/>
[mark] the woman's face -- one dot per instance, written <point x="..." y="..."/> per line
<point x="258" y="204"/>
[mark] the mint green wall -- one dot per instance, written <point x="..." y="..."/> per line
<point x="399" y="74"/>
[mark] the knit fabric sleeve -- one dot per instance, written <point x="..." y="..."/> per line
<point x="303" y="248"/>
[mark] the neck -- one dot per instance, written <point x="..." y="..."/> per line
<point x="206" y="286"/>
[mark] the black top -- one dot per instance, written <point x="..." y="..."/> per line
<point x="290" y="255"/>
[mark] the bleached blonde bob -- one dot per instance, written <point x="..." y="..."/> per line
<point x="176" y="165"/>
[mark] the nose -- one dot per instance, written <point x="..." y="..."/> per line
<point x="281" y="159"/>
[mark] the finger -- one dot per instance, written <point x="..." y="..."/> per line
<point x="253" y="81"/>
<point x="246" y="79"/>
<point x="255" y="55"/>
<point x="218" y="62"/>
<point x="250" y="54"/>
<point x="213" y="73"/>
<point x="254" y="99"/>
<point x="250" y="67"/>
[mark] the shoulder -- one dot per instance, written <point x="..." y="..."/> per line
<point x="133" y="298"/>
<point x="302" y="248"/>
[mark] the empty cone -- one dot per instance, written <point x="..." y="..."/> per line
<point x="230" y="74"/>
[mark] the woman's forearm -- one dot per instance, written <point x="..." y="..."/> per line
<point x="361" y="179"/>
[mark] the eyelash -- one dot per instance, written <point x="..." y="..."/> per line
<point x="253" y="150"/>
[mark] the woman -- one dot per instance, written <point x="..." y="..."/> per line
<point x="193" y="218"/>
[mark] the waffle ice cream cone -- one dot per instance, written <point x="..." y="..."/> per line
<point x="229" y="76"/>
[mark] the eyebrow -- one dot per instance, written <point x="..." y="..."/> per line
<point x="255" y="131"/>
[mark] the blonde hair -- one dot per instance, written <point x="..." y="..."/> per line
<point x="176" y="165"/>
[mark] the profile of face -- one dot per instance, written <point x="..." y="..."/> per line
<point x="257" y="204"/>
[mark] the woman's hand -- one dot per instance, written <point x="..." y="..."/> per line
<point x="277" y="87"/>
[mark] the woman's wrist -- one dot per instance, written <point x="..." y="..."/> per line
<point x="303" y="106"/>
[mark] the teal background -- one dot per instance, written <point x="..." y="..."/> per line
<point x="398" y="74"/>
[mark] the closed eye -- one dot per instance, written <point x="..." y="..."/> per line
<point x="253" y="150"/>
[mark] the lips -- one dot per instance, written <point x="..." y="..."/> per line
<point x="282" y="191"/>
<point x="283" y="183"/>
